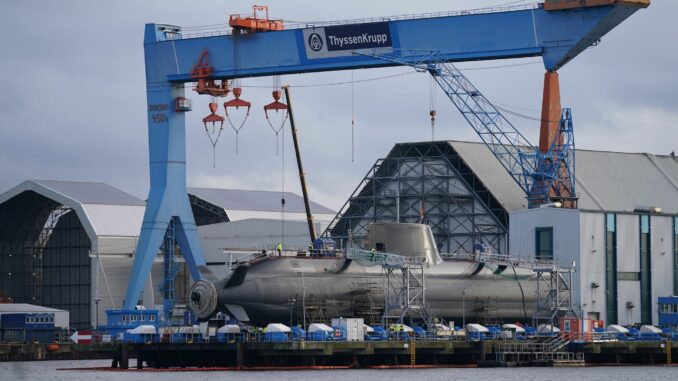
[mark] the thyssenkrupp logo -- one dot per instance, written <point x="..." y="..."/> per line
<point x="315" y="42"/>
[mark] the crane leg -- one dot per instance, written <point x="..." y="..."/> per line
<point x="550" y="111"/>
<point x="168" y="196"/>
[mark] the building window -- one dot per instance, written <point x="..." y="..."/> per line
<point x="544" y="244"/>
<point x="628" y="275"/>
<point x="645" y="268"/>
<point x="611" y="267"/>
<point x="675" y="255"/>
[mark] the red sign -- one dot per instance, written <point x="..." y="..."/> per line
<point x="82" y="337"/>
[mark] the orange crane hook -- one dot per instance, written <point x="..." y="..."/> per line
<point x="276" y="106"/>
<point x="237" y="103"/>
<point x="213" y="135"/>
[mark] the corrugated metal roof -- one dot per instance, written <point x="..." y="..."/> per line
<point x="606" y="181"/>
<point x="491" y="173"/>
<point x="111" y="217"/>
<point x="91" y="193"/>
<point x="255" y="200"/>
<point x="23" y="307"/>
<point x="115" y="220"/>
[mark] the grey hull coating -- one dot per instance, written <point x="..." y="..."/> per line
<point x="264" y="289"/>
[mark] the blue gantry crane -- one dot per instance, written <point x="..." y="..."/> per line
<point x="555" y="30"/>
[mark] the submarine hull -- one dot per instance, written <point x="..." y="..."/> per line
<point x="266" y="291"/>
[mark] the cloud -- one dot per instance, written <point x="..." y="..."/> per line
<point x="72" y="97"/>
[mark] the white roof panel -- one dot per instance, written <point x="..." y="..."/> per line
<point x="23" y="307"/>
<point x="115" y="220"/>
<point x="491" y="173"/>
<point x="91" y="193"/>
<point x="255" y="200"/>
<point x="606" y="181"/>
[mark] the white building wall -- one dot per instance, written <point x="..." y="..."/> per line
<point x="661" y="230"/>
<point x="238" y="215"/>
<point x="628" y="243"/>
<point x="565" y="224"/>
<point x="580" y="236"/>
<point x="566" y="237"/>
<point x="591" y="265"/>
<point x="110" y="277"/>
<point x="628" y="291"/>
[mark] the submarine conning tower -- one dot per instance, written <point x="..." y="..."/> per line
<point x="406" y="239"/>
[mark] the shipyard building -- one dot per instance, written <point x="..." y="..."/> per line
<point x="623" y="237"/>
<point x="70" y="245"/>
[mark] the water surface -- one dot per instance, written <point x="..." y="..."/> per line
<point x="47" y="370"/>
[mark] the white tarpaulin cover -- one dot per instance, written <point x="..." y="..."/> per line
<point x="476" y="328"/>
<point x="649" y="329"/>
<point x="315" y="327"/>
<point x="513" y="327"/>
<point x="277" y="327"/>
<point x="143" y="329"/>
<point x="617" y="328"/>
<point x="229" y="328"/>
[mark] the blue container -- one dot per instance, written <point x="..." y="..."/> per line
<point x="634" y="333"/>
<point x="530" y="331"/>
<point x="276" y="337"/>
<point x="186" y="338"/>
<point x="223" y="337"/>
<point x="319" y="336"/>
<point x="141" y="338"/>
<point x="339" y="334"/>
<point x="14" y="321"/>
<point x="13" y="335"/>
<point x="298" y="334"/>
<point x="379" y="334"/>
<point x="494" y="332"/>
<point x="43" y="336"/>
<point x="419" y="332"/>
<point x="650" y="337"/>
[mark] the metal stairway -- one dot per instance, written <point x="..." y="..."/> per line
<point x="553" y="350"/>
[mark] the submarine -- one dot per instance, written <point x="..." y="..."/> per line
<point x="267" y="288"/>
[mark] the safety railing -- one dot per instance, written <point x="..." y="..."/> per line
<point x="585" y="337"/>
<point x="320" y="24"/>
<point x="525" y="262"/>
<point x="547" y="356"/>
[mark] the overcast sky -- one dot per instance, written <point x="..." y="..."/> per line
<point x="72" y="96"/>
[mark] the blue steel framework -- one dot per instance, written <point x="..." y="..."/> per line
<point x="557" y="36"/>
<point x="541" y="175"/>
<point x="170" y="270"/>
<point x="425" y="182"/>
